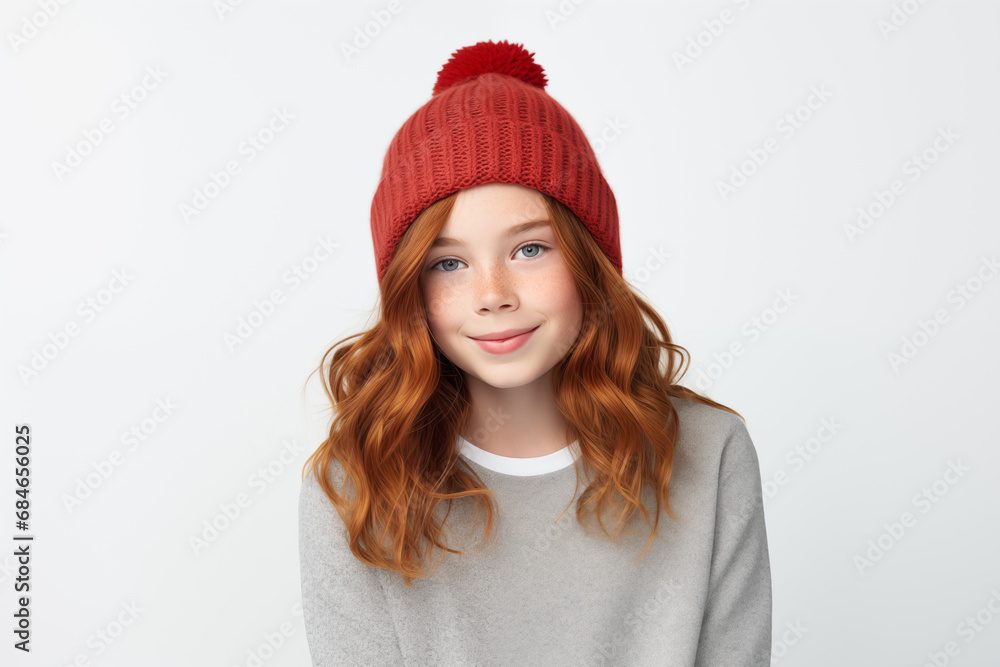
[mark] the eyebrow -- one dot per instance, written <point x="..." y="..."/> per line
<point x="513" y="231"/>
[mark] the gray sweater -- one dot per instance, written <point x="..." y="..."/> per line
<point x="547" y="592"/>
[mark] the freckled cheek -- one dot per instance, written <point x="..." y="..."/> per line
<point x="442" y="305"/>
<point x="558" y="291"/>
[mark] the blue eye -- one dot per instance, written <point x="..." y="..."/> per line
<point x="433" y="266"/>
<point x="532" y="245"/>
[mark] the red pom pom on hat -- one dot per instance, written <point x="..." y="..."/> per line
<point x="484" y="57"/>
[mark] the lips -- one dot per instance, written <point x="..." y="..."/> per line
<point x="505" y="342"/>
<point x="501" y="335"/>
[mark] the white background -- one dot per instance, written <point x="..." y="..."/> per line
<point x="681" y="130"/>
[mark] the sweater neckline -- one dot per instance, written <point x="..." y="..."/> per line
<point x="521" y="467"/>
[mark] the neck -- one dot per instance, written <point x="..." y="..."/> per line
<point x="518" y="422"/>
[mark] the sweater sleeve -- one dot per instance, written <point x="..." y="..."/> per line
<point x="344" y="608"/>
<point x="736" y="628"/>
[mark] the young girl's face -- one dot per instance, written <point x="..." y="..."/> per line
<point x="491" y="271"/>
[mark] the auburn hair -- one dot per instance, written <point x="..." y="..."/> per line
<point x="400" y="404"/>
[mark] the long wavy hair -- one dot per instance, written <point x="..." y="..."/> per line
<point x="400" y="404"/>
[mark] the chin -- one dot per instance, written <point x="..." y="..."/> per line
<point x="505" y="380"/>
<point x="509" y="384"/>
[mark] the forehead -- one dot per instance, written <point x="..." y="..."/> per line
<point x="495" y="205"/>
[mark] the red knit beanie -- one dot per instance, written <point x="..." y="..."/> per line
<point x="489" y="120"/>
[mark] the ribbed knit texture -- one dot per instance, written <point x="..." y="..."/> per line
<point x="490" y="128"/>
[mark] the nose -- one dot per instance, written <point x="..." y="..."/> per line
<point x="494" y="289"/>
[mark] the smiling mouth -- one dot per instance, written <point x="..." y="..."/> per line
<point x="505" y="345"/>
<point x="494" y="338"/>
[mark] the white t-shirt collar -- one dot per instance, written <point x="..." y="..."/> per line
<point x="522" y="467"/>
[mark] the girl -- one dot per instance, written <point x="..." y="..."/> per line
<point x="514" y="374"/>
